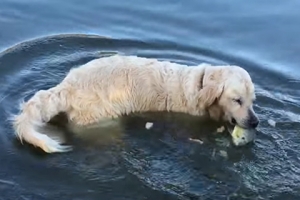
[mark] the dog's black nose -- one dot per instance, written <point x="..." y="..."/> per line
<point x="253" y="123"/>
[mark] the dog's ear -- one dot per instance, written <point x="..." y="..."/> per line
<point x="210" y="86"/>
<point x="210" y="93"/>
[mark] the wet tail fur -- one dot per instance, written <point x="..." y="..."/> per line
<point x="36" y="112"/>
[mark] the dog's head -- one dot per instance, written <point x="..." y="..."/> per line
<point x="228" y="93"/>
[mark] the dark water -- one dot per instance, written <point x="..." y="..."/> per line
<point x="42" y="40"/>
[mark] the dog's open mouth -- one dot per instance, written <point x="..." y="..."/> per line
<point x="233" y="121"/>
<point x="230" y="126"/>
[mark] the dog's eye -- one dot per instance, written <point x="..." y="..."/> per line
<point x="239" y="101"/>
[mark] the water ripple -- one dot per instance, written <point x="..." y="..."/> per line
<point x="160" y="162"/>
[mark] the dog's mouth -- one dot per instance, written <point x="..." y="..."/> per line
<point x="230" y="124"/>
<point x="233" y="121"/>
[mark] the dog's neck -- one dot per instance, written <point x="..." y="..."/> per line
<point x="189" y="81"/>
<point x="215" y="112"/>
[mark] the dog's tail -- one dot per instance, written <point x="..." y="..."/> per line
<point x="37" y="111"/>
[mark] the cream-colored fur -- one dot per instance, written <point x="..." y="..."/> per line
<point x="119" y="85"/>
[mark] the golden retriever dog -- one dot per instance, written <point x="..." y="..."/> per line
<point x="110" y="87"/>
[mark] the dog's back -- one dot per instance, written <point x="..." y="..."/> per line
<point x="105" y="87"/>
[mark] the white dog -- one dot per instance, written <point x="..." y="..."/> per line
<point x="119" y="85"/>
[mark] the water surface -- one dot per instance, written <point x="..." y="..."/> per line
<point x="42" y="40"/>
